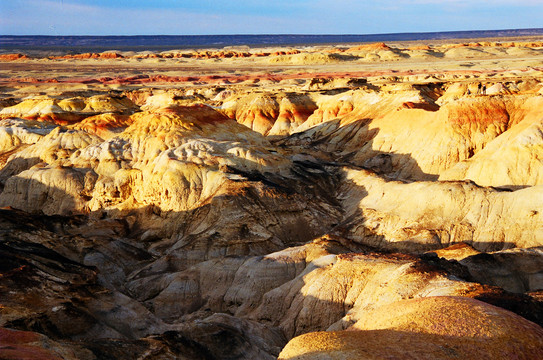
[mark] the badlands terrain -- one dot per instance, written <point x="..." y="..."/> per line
<point x="364" y="201"/>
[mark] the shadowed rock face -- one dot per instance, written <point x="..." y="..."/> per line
<point x="104" y="290"/>
<point x="330" y="215"/>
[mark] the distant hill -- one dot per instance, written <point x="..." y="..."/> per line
<point x="70" y="44"/>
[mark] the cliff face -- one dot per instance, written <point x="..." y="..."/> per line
<point x="281" y="215"/>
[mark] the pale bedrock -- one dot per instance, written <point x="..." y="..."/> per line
<point x="51" y="190"/>
<point x="15" y="132"/>
<point x="174" y="174"/>
<point x="152" y="150"/>
<point x="377" y="131"/>
<point x="169" y="98"/>
<point x="40" y="176"/>
<point x="428" y="328"/>
<point x="433" y="215"/>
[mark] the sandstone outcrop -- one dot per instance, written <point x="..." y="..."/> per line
<point x="174" y="172"/>
<point x="13" y="57"/>
<point x="516" y="270"/>
<point x="104" y="55"/>
<point x="445" y="213"/>
<point x="117" y="294"/>
<point x="391" y="134"/>
<point x="270" y="114"/>
<point x="67" y="111"/>
<point x="429" y="328"/>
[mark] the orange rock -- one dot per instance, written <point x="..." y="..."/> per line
<point x="104" y="125"/>
<point x="111" y="56"/>
<point x="13" y="57"/>
<point x="374" y="46"/>
<point x="428" y="328"/>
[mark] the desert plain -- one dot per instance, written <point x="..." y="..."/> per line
<point x="343" y="201"/>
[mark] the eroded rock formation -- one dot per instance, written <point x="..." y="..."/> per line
<point x="228" y="216"/>
<point x="430" y="328"/>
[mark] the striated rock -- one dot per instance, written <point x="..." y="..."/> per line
<point x="66" y="111"/>
<point x="270" y="114"/>
<point x="104" y="55"/>
<point x="63" y="299"/>
<point x="105" y="126"/>
<point x="511" y="160"/>
<point x="378" y="131"/>
<point x="175" y="171"/>
<point x="320" y="285"/>
<point x="231" y="305"/>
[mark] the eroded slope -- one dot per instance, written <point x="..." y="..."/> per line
<point x="224" y="215"/>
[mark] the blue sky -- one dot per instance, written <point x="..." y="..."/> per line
<point x="178" y="17"/>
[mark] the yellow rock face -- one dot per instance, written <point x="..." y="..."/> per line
<point x="438" y="214"/>
<point x="429" y="328"/>
<point x="67" y="111"/>
<point x="170" y="157"/>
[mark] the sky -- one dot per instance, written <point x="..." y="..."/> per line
<point x="210" y="17"/>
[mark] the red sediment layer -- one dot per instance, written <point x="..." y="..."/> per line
<point x="59" y="119"/>
<point x="221" y="54"/>
<point x="23" y="345"/>
<point x="105" y="122"/>
<point x="481" y="115"/>
<point x="144" y="79"/>
<point x="532" y="44"/>
<point x="193" y="55"/>
<point x="88" y="56"/>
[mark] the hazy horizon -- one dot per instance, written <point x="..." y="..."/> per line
<point x="258" y="17"/>
<point x="535" y="29"/>
<point x="63" y="44"/>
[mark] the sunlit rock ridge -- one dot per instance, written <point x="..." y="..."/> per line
<point x="342" y="202"/>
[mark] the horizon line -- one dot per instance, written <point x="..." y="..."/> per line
<point x="294" y="34"/>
